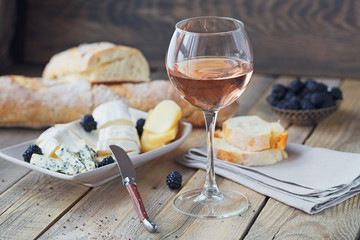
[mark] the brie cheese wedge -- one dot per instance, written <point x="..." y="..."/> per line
<point x="50" y="140"/>
<point x="128" y="146"/>
<point x="111" y="113"/>
<point x="119" y="132"/>
<point x="90" y="138"/>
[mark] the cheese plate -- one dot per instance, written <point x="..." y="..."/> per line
<point x="103" y="174"/>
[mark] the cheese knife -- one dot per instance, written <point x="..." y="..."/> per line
<point x="128" y="175"/>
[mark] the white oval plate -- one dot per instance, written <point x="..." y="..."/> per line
<point x="103" y="174"/>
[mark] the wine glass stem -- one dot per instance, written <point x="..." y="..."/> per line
<point x="210" y="187"/>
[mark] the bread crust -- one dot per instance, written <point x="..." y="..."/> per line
<point x="251" y="133"/>
<point x="99" y="62"/>
<point x="36" y="102"/>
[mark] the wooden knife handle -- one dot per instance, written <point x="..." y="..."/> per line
<point x="137" y="201"/>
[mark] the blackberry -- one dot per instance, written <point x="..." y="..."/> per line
<point x="279" y="91"/>
<point x="139" y="126"/>
<point x="310" y="85"/>
<point x="88" y="123"/>
<point x="336" y="93"/>
<point x="303" y="95"/>
<point x="273" y="100"/>
<point x="173" y="180"/>
<point x="293" y="103"/>
<point x="307" y="97"/>
<point x="319" y="99"/>
<point x="321" y="88"/>
<point x="304" y="92"/>
<point x="281" y="104"/>
<point x="314" y="86"/>
<point x="290" y="94"/>
<point x="328" y="103"/>
<point x="33" y="148"/>
<point x="305" y="104"/>
<point x="296" y="86"/>
<point x="107" y="160"/>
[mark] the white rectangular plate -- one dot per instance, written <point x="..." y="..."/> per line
<point x="103" y="174"/>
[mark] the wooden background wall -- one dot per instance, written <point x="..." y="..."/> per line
<point x="314" y="37"/>
<point x="7" y="29"/>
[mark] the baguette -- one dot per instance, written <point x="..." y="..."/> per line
<point x="98" y="62"/>
<point x="36" y="102"/>
<point x="251" y="133"/>
<point x="250" y="141"/>
<point x="227" y="152"/>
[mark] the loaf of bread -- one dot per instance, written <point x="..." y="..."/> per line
<point x="36" y="102"/>
<point x="251" y="141"/>
<point x="98" y="62"/>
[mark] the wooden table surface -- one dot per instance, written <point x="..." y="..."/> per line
<point x="34" y="205"/>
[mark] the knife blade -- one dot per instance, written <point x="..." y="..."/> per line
<point x="128" y="175"/>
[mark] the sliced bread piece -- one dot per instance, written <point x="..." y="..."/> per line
<point x="228" y="152"/>
<point x="251" y="133"/>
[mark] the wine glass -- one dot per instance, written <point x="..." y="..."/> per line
<point x="210" y="63"/>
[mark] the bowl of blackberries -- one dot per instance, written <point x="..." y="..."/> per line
<point x="304" y="102"/>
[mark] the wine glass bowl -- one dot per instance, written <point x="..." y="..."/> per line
<point x="210" y="63"/>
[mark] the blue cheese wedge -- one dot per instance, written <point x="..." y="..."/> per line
<point x="53" y="164"/>
<point x="87" y="155"/>
<point x="72" y="163"/>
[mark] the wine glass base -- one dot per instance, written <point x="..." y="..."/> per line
<point x="195" y="204"/>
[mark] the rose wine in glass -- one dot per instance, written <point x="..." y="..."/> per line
<point x="210" y="63"/>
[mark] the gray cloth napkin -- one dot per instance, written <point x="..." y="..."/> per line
<point x="310" y="179"/>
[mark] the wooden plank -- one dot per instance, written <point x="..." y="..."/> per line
<point x="37" y="200"/>
<point x="340" y="132"/>
<point x="12" y="136"/>
<point x="9" y="172"/>
<point x="288" y="37"/>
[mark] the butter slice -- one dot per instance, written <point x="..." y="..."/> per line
<point x="146" y="147"/>
<point x="151" y="141"/>
<point x="161" y="125"/>
<point x="163" y="117"/>
<point x="157" y="139"/>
